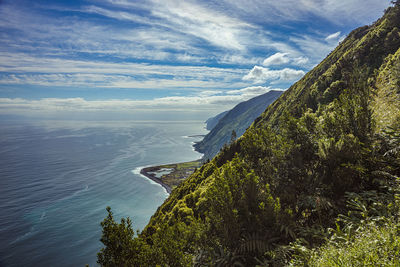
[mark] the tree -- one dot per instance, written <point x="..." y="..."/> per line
<point x="233" y="136"/>
<point x="121" y="248"/>
<point x="241" y="206"/>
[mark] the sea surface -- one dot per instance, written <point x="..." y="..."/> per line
<point x="57" y="177"/>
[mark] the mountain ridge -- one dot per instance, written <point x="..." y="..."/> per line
<point x="211" y="122"/>
<point x="237" y="119"/>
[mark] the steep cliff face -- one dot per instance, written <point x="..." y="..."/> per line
<point x="237" y="119"/>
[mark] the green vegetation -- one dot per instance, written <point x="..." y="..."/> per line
<point x="313" y="182"/>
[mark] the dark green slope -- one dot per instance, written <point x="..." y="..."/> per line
<point x="238" y="119"/>
<point x="326" y="152"/>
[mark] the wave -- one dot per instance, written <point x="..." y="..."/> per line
<point x="86" y="188"/>
<point x="74" y="194"/>
<point x="42" y="216"/>
<point x="32" y="231"/>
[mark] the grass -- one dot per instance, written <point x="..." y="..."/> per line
<point x="372" y="246"/>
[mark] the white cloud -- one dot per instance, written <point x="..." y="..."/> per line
<point x="204" y="101"/>
<point x="291" y="74"/>
<point x="66" y="72"/>
<point x="284" y="58"/>
<point x="238" y="59"/>
<point x="276" y="59"/>
<point x="194" y="19"/>
<point x="186" y="17"/>
<point x="360" y="11"/>
<point x="111" y="81"/>
<point x="260" y="74"/>
<point x="37" y="48"/>
<point x="333" y="36"/>
<point x="252" y="90"/>
<point x="316" y="47"/>
<point x="338" y="12"/>
<point x="300" y="61"/>
<point x="207" y="93"/>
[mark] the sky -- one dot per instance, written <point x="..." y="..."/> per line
<point x="162" y="59"/>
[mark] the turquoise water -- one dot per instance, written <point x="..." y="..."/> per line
<point x="56" y="178"/>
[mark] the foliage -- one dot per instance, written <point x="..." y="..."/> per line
<point x="239" y="203"/>
<point x="368" y="235"/>
<point x="121" y="249"/>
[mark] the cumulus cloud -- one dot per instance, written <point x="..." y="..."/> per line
<point x="260" y="74"/>
<point x="284" y="58"/>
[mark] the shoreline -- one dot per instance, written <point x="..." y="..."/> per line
<point x="170" y="176"/>
<point x="145" y="172"/>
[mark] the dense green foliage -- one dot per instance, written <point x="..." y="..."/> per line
<point x="237" y="119"/>
<point x="314" y="181"/>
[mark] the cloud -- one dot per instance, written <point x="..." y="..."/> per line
<point x="168" y="44"/>
<point x="47" y="71"/>
<point x="189" y="18"/>
<point x="284" y="58"/>
<point x="300" y="61"/>
<point x="260" y="74"/>
<point x="276" y="59"/>
<point x="238" y="59"/>
<point x="252" y="90"/>
<point x="316" y="47"/>
<point x="209" y="101"/>
<point x="359" y="11"/>
<point x="333" y="36"/>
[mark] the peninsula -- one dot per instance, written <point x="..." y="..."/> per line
<point x="170" y="175"/>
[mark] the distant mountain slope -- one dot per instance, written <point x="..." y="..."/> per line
<point x="238" y="119"/>
<point x="213" y="121"/>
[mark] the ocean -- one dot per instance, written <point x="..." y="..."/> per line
<point x="57" y="178"/>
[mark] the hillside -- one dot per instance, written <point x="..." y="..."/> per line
<point x="237" y="119"/>
<point x="211" y="122"/>
<point x="313" y="182"/>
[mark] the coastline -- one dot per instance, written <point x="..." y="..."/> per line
<point x="146" y="172"/>
<point x="170" y="176"/>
